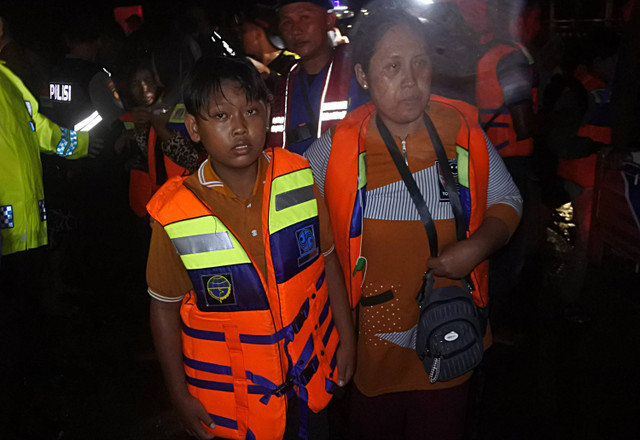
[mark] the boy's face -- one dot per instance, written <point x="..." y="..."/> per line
<point x="233" y="130"/>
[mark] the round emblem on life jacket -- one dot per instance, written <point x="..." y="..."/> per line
<point x="219" y="287"/>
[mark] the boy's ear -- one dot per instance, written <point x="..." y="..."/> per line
<point x="191" y="124"/>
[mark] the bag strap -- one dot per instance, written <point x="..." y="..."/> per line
<point x="449" y="182"/>
<point x="416" y="195"/>
<point x="411" y="185"/>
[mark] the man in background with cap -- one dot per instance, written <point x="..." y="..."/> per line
<point x="319" y="90"/>
<point x="264" y="48"/>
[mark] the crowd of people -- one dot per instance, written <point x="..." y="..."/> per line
<point x="286" y="246"/>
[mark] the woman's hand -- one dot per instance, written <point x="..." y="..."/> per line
<point x="192" y="415"/>
<point x="141" y="116"/>
<point x="346" y="357"/>
<point x="456" y="260"/>
<point x="459" y="258"/>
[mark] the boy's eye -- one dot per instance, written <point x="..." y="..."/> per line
<point x="220" y="115"/>
<point x="252" y="111"/>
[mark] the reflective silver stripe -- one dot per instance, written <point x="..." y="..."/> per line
<point x="294" y="197"/>
<point x="286" y="104"/>
<point x="277" y="120"/>
<point x="88" y="123"/>
<point x="277" y="128"/>
<point x="324" y="93"/>
<point x="335" y="105"/>
<point x="195" y="244"/>
<point x="334" y="115"/>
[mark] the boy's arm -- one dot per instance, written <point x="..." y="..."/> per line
<point x="165" y="328"/>
<point x="342" y="318"/>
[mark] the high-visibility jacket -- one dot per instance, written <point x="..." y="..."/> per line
<point x="143" y="183"/>
<point x="24" y="134"/>
<point x="490" y="100"/>
<point x="346" y="180"/>
<point x="248" y="338"/>
<point x="583" y="170"/>
<point x="329" y="109"/>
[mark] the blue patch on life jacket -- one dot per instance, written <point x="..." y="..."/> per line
<point x="286" y="251"/>
<point x="228" y="289"/>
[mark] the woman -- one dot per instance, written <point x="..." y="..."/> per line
<point x="378" y="231"/>
<point x="162" y="147"/>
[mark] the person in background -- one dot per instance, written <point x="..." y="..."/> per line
<point x="320" y="90"/>
<point x="82" y="95"/>
<point x="380" y="239"/>
<point x="578" y="117"/>
<point x="24" y="134"/>
<point x="506" y="96"/>
<point x="159" y="147"/>
<point x="30" y="67"/>
<point x="240" y="272"/>
<point x="264" y="48"/>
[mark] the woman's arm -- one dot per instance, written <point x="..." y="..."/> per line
<point x="342" y="318"/>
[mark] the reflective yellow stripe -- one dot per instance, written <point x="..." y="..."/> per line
<point x="463" y="166"/>
<point x="178" y="114"/>
<point x="294" y="213"/>
<point x="362" y="171"/>
<point x="202" y="226"/>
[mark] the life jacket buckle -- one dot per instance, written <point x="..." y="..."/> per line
<point x="284" y="388"/>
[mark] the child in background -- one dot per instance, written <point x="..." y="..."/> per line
<point x="241" y="273"/>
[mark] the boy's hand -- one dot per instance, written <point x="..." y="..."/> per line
<point x="346" y="358"/>
<point x="193" y="415"/>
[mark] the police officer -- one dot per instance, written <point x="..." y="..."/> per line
<point x="81" y="95"/>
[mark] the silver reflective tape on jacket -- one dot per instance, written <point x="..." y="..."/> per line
<point x="294" y="197"/>
<point x="195" y="244"/>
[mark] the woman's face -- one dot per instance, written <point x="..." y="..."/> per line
<point x="144" y="88"/>
<point x="399" y="79"/>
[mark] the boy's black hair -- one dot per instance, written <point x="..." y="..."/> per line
<point x="208" y="73"/>
<point x="370" y="29"/>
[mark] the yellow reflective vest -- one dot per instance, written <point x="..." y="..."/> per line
<point x="24" y="134"/>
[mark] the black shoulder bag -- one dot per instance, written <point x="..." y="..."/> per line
<point x="449" y="335"/>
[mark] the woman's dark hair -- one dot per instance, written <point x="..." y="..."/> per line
<point x="371" y="28"/>
<point x="208" y="73"/>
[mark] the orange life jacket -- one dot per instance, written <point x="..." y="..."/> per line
<point x="333" y="103"/>
<point x="346" y="180"/>
<point x="143" y="183"/>
<point x="490" y="100"/>
<point x="583" y="170"/>
<point x="250" y="339"/>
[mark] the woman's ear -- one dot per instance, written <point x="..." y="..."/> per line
<point x="191" y="123"/>
<point x="361" y="76"/>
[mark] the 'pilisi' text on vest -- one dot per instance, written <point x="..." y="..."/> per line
<point x="60" y="92"/>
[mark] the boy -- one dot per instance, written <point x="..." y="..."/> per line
<point x="243" y="306"/>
